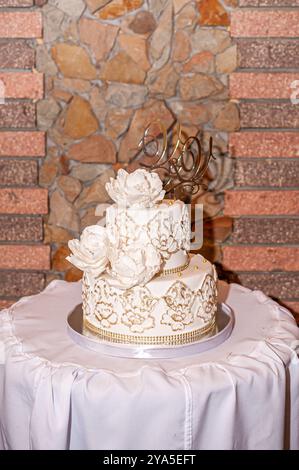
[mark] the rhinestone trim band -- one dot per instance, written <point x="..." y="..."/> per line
<point x="178" y="269"/>
<point x="171" y="340"/>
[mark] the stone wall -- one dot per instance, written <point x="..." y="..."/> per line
<point x="110" y="68"/>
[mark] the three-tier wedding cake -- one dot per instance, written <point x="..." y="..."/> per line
<point x="140" y="285"/>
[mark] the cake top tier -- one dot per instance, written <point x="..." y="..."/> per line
<point x="143" y="233"/>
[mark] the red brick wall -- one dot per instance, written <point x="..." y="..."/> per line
<point x="24" y="258"/>
<point x="263" y="251"/>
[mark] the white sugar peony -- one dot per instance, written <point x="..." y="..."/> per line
<point x="136" y="265"/>
<point x="90" y="252"/>
<point x="138" y="189"/>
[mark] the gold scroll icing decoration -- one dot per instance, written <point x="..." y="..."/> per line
<point x="205" y="299"/>
<point x="181" y="304"/>
<point x="179" y="300"/>
<point x="104" y="296"/>
<point x="138" y="305"/>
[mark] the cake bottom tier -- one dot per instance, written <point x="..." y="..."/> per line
<point x="172" y="309"/>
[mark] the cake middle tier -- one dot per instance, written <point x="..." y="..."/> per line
<point x="165" y="226"/>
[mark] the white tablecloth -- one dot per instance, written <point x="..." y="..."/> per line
<point x="54" y="394"/>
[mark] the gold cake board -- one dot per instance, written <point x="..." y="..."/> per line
<point x="77" y="331"/>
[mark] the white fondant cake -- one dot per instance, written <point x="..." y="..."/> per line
<point x="140" y="286"/>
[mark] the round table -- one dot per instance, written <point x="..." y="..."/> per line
<point x="54" y="394"/>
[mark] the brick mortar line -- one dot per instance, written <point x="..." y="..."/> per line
<point x="20" y="216"/>
<point x="266" y="188"/>
<point x="23" y="158"/>
<point x="16" y="129"/>
<point x="256" y="159"/>
<point x="5" y="214"/>
<point x="263" y="188"/>
<point x="227" y="243"/>
<point x="9" y="214"/>
<point x="14" y="39"/>
<point x="287" y="273"/>
<point x="269" y="129"/>
<point x="19" y="9"/>
<point x="8" y="242"/>
<point x="31" y="158"/>
<point x="266" y="70"/>
<point x="263" y="130"/>
<point x="20" y="100"/>
<point x="262" y="100"/>
<point x="259" y="245"/>
<point x="20" y="129"/>
<point x="270" y="38"/>
<point x="13" y="159"/>
<point x="28" y="71"/>
<point x="12" y="186"/>
<point x="30" y="271"/>
<point x="252" y="38"/>
<point x="270" y="216"/>
<point x="35" y="187"/>
<point x="25" y="243"/>
<point x="18" y="70"/>
<point x="19" y="186"/>
<point x="27" y="271"/>
<point x="266" y="8"/>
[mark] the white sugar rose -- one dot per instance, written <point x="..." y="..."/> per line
<point x="90" y="252"/>
<point x="138" y="189"/>
<point x="136" y="265"/>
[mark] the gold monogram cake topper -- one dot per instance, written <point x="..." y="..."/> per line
<point x="183" y="163"/>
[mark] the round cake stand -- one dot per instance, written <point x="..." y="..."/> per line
<point x="224" y="322"/>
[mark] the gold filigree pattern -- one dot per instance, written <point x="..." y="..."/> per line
<point x="138" y="305"/>
<point x="87" y="308"/>
<point x="105" y="297"/>
<point x="207" y="298"/>
<point x="179" y="299"/>
<point x="134" y="307"/>
<point x="169" y="235"/>
<point x="162" y="236"/>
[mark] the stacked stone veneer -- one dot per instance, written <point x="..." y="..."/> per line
<point x="263" y="251"/>
<point x="110" y="68"/>
<point x="24" y="259"/>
